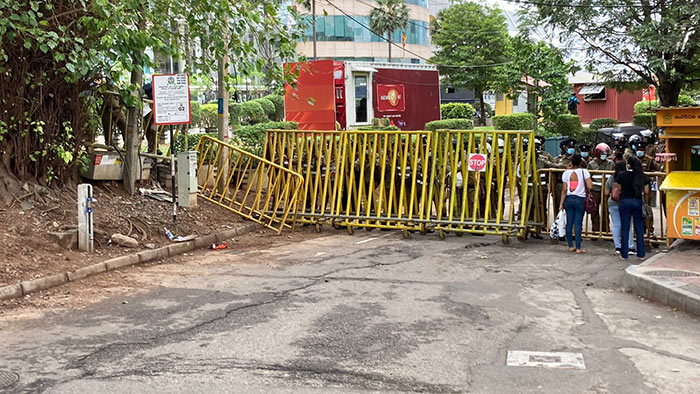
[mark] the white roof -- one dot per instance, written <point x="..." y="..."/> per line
<point x="401" y="66"/>
<point x="585" y="77"/>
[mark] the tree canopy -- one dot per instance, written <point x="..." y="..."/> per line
<point x="471" y="40"/>
<point x="387" y="17"/>
<point x="656" y="42"/>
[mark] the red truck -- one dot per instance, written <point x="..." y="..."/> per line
<point x="353" y="93"/>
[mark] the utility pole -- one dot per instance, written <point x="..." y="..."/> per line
<point x="313" y="24"/>
<point x="223" y="116"/>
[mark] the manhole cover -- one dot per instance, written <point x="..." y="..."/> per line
<point x="520" y="358"/>
<point x="7" y="379"/>
<point x="672" y="273"/>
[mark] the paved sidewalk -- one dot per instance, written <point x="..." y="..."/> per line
<point x="671" y="278"/>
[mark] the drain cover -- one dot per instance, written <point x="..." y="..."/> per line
<point x="7" y="378"/>
<point x="672" y="273"/>
<point x="519" y="358"/>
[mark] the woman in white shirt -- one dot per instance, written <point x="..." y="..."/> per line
<point x="577" y="181"/>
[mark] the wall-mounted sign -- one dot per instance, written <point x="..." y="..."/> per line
<point x="391" y="98"/>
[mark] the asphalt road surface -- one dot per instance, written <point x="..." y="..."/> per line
<point x="361" y="314"/>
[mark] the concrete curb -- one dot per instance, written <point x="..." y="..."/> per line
<point x="23" y="288"/>
<point x="664" y="290"/>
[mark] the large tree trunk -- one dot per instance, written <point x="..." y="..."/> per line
<point x="482" y="108"/>
<point x="133" y="135"/>
<point x="668" y="90"/>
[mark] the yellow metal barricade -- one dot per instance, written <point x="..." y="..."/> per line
<point x="655" y="234"/>
<point x="248" y="185"/>
<point x="475" y="182"/>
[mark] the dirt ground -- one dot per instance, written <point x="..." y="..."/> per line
<point x="27" y="253"/>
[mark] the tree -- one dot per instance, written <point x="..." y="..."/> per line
<point x="541" y="70"/>
<point x="656" y="42"/>
<point x="387" y="17"/>
<point x="471" y="40"/>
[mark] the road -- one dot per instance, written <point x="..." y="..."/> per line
<point x="365" y="313"/>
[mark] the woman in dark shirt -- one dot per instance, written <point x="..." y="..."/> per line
<point x="633" y="184"/>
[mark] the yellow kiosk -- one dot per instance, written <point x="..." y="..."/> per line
<point x="680" y="128"/>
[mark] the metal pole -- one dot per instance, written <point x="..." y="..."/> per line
<point x="172" y="177"/>
<point x="313" y="24"/>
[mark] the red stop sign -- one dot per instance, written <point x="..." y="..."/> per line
<point x="477" y="162"/>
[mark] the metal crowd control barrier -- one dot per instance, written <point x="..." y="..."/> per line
<point x="474" y="183"/>
<point x="654" y="234"/>
<point x="253" y="187"/>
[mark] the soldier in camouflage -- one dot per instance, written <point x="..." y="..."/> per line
<point x="601" y="162"/>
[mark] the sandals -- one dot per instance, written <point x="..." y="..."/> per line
<point x="623" y="259"/>
<point x="580" y="251"/>
<point x="572" y="250"/>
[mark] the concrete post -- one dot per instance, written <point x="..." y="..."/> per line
<point x="85" y="222"/>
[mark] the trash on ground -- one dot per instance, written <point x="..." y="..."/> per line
<point x="222" y="245"/>
<point x="156" y="194"/>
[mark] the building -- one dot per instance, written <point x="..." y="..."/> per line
<point x="504" y="105"/>
<point x="347" y="37"/>
<point x="597" y="99"/>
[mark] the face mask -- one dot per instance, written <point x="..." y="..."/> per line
<point x="640" y="153"/>
<point x="584" y="154"/>
<point x="603" y="157"/>
<point x="500" y="150"/>
<point x="570" y="151"/>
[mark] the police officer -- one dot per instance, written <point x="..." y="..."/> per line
<point x="568" y="148"/>
<point x="649" y="138"/>
<point x="585" y="150"/>
<point x="649" y="165"/>
<point x="601" y="162"/>
<point x="619" y="146"/>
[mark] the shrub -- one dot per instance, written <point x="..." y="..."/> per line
<point x="252" y="112"/>
<point x="487" y="107"/>
<point x="546" y="132"/>
<point x="196" y="110"/>
<point x="234" y="113"/>
<point x="457" y="111"/>
<point x="521" y="121"/>
<point x="602" y="123"/>
<point x="380" y="122"/>
<point x="377" y="128"/>
<point x="645" y="120"/>
<point x="568" y="125"/>
<point x="278" y="101"/>
<point x="192" y="140"/>
<point x="641" y="107"/>
<point x="450" y="124"/>
<point x="252" y="138"/>
<point x="208" y="115"/>
<point x="267" y="106"/>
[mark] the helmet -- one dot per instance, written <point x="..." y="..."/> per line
<point x="619" y="140"/>
<point x="567" y="143"/>
<point x="539" y="140"/>
<point x="501" y="143"/>
<point x="648" y="136"/>
<point x="602" y="149"/>
<point x="634" y="141"/>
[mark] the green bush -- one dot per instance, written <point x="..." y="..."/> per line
<point x="267" y="106"/>
<point x="234" y="113"/>
<point x="645" y="120"/>
<point x="252" y="112"/>
<point x="568" y="125"/>
<point x="457" y="111"/>
<point x="278" y="101"/>
<point x="520" y="121"/>
<point x="196" y="111"/>
<point x="380" y="122"/>
<point x="450" y="124"/>
<point x="546" y="132"/>
<point x="209" y="115"/>
<point x="377" y="128"/>
<point x="487" y="107"/>
<point x="641" y="107"/>
<point x="252" y="138"/>
<point x="601" y="123"/>
<point x="192" y="140"/>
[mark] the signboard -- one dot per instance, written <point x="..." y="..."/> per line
<point x="391" y="98"/>
<point x="678" y="116"/>
<point x="477" y="162"/>
<point x="171" y="99"/>
<point x="684" y="214"/>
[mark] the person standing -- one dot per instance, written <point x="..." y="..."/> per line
<point x="648" y="165"/>
<point x="577" y="181"/>
<point x="572" y="104"/>
<point x="614" y="210"/>
<point x="567" y="148"/>
<point x="633" y="185"/>
<point x="601" y="162"/>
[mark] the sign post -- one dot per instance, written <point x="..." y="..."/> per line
<point x="477" y="162"/>
<point x="171" y="106"/>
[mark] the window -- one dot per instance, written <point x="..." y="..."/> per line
<point x="360" y="98"/>
<point x="592" y="92"/>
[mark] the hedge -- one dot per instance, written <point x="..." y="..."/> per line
<point x="267" y="106"/>
<point x="208" y="115"/>
<point x="602" y="123"/>
<point x="520" y="121"/>
<point x="278" y="101"/>
<point x="252" y="138"/>
<point x="450" y="124"/>
<point x="196" y="112"/>
<point x="487" y="107"/>
<point x="192" y="140"/>
<point x="641" y="107"/>
<point x="252" y="112"/>
<point x="377" y="128"/>
<point x="568" y="125"/>
<point x="457" y="111"/>
<point x="644" y="120"/>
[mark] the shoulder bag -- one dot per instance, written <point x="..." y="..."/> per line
<point x="589" y="204"/>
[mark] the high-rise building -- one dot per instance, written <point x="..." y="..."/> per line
<point x="342" y="33"/>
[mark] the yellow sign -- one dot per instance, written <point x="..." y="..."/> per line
<point x="683" y="207"/>
<point x="678" y="116"/>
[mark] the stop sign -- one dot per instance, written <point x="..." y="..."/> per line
<point x="477" y="162"/>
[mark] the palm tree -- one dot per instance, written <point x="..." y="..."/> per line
<point x="389" y="16"/>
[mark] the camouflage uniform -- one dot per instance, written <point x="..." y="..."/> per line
<point x="597" y="191"/>
<point x="561" y="161"/>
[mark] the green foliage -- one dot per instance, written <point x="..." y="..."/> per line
<point x="267" y="106"/>
<point x="252" y="138"/>
<point x="252" y="112"/>
<point x="646" y="120"/>
<point x="209" y="113"/>
<point x="546" y="132"/>
<point x="520" y="121"/>
<point x="196" y="110"/>
<point x="278" y="101"/>
<point x="471" y="35"/>
<point x="603" y="123"/>
<point x="192" y="140"/>
<point x="641" y="107"/>
<point x="387" y="17"/>
<point x="457" y="111"/>
<point x="450" y="124"/>
<point x="487" y="107"/>
<point x="567" y="125"/>
<point x="234" y="113"/>
<point x="654" y="42"/>
<point x="381" y="122"/>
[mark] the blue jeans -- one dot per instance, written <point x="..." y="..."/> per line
<point x="632" y="208"/>
<point x="616" y="226"/>
<point x="574" y="217"/>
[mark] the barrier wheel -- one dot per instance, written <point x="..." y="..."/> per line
<point x="505" y="239"/>
<point x="423" y="230"/>
<point x="441" y="234"/>
<point x="522" y="236"/>
<point x="319" y="228"/>
<point x="459" y="234"/>
<point x="351" y="230"/>
<point x="406" y="234"/>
